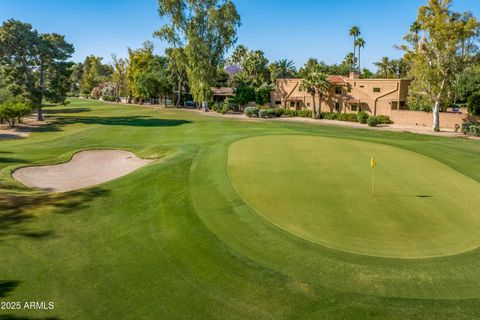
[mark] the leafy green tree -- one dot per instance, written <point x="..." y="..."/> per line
<point x="34" y="65"/>
<point x="468" y="84"/>
<point x="473" y="104"/>
<point x="177" y="66"/>
<point x="14" y="109"/>
<point x="255" y="68"/>
<point x="119" y="77"/>
<point x="76" y="77"/>
<point x="245" y="94"/>
<point x="94" y="73"/>
<point x="437" y="51"/>
<point x="206" y="29"/>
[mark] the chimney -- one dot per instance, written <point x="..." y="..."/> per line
<point x="354" y="75"/>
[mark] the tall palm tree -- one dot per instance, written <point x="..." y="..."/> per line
<point x="384" y="67"/>
<point x="360" y="43"/>
<point x="354" y="32"/>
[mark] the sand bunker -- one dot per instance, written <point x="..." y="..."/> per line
<point x="85" y="169"/>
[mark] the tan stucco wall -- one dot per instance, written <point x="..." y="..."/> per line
<point x="288" y="90"/>
<point x="425" y="119"/>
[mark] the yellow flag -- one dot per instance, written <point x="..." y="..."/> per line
<point x="373" y="162"/>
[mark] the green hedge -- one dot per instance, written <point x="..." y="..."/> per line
<point x="297" y="113"/>
<point x="362" y="117"/>
<point x="350" y="117"/>
<point x="471" y="127"/>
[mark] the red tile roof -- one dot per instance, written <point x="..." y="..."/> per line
<point x="336" y="79"/>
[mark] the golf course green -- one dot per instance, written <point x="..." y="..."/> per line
<point x="320" y="189"/>
<point x="241" y="220"/>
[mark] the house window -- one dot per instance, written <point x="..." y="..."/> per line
<point x="376" y="89"/>
<point x="278" y="102"/>
<point x="403" y="105"/>
<point x="292" y="104"/>
<point x="300" y="88"/>
<point x="308" y="104"/>
<point x="337" y="106"/>
<point x="338" y="90"/>
<point x="354" y="107"/>
<point x="362" y="86"/>
<point x="394" y="105"/>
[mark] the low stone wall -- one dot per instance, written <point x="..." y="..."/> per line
<point x="425" y="119"/>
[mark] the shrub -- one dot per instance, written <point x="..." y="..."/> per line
<point x="384" y="119"/>
<point x="362" y="117"/>
<point x="473" y="104"/>
<point x="251" y="112"/>
<point x="266" y="113"/>
<point x="372" y="121"/>
<point x="295" y="113"/>
<point x="278" y="112"/>
<point x="13" y="110"/>
<point x="351" y="117"/>
<point x="471" y="127"/>
<point x="217" y="107"/>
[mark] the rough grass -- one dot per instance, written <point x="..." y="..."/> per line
<point x="176" y="241"/>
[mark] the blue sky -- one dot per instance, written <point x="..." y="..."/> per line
<point x="296" y="30"/>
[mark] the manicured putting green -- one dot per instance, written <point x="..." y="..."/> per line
<point x="320" y="189"/>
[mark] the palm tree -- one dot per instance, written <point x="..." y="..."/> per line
<point x="316" y="82"/>
<point x="384" y="67"/>
<point x="354" y="32"/>
<point x="350" y="60"/>
<point x="322" y="86"/>
<point x="360" y="43"/>
<point x="286" y="68"/>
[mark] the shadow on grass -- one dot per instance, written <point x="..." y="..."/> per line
<point x="7" y="286"/>
<point x="17" y="211"/>
<point x="6" y="136"/>
<point x="66" y="110"/>
<point x="12" y="160"/>
<point x="134" y="121"/>
<point x="11" y="317"/>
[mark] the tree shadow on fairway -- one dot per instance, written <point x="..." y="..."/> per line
<point x="12" y="317"/>
<point x="402" y="195"/>
<point x="12" y="160"/>
<point x="19" y="211"/>
<point x="134" y="121"/>
<point x="66" y="110"/>
<point x="7" y="286"/>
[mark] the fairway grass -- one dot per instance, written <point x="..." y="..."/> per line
<point x="178" y="240"/>
<point x="320" y="189"/>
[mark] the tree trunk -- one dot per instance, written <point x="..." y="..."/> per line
<point x="359" y="66"/>
<point x="436" y="116"/>
<point x="165" y="101"/>
<point x="42" y="84"/>
<point x="205" y="106"/>
<point x="314" y="113"/>
<point x="179" y="94"/>
<point x="39" y="113"/>
<point x="318" y="115"/>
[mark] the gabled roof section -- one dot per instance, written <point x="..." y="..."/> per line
<point x="336" y="80"/>
<point x="223" y="91"/>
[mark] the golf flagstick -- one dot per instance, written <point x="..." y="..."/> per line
<point x="373" y="164"/>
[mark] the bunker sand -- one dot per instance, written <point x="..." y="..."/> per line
<point x="85" y="169"/>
